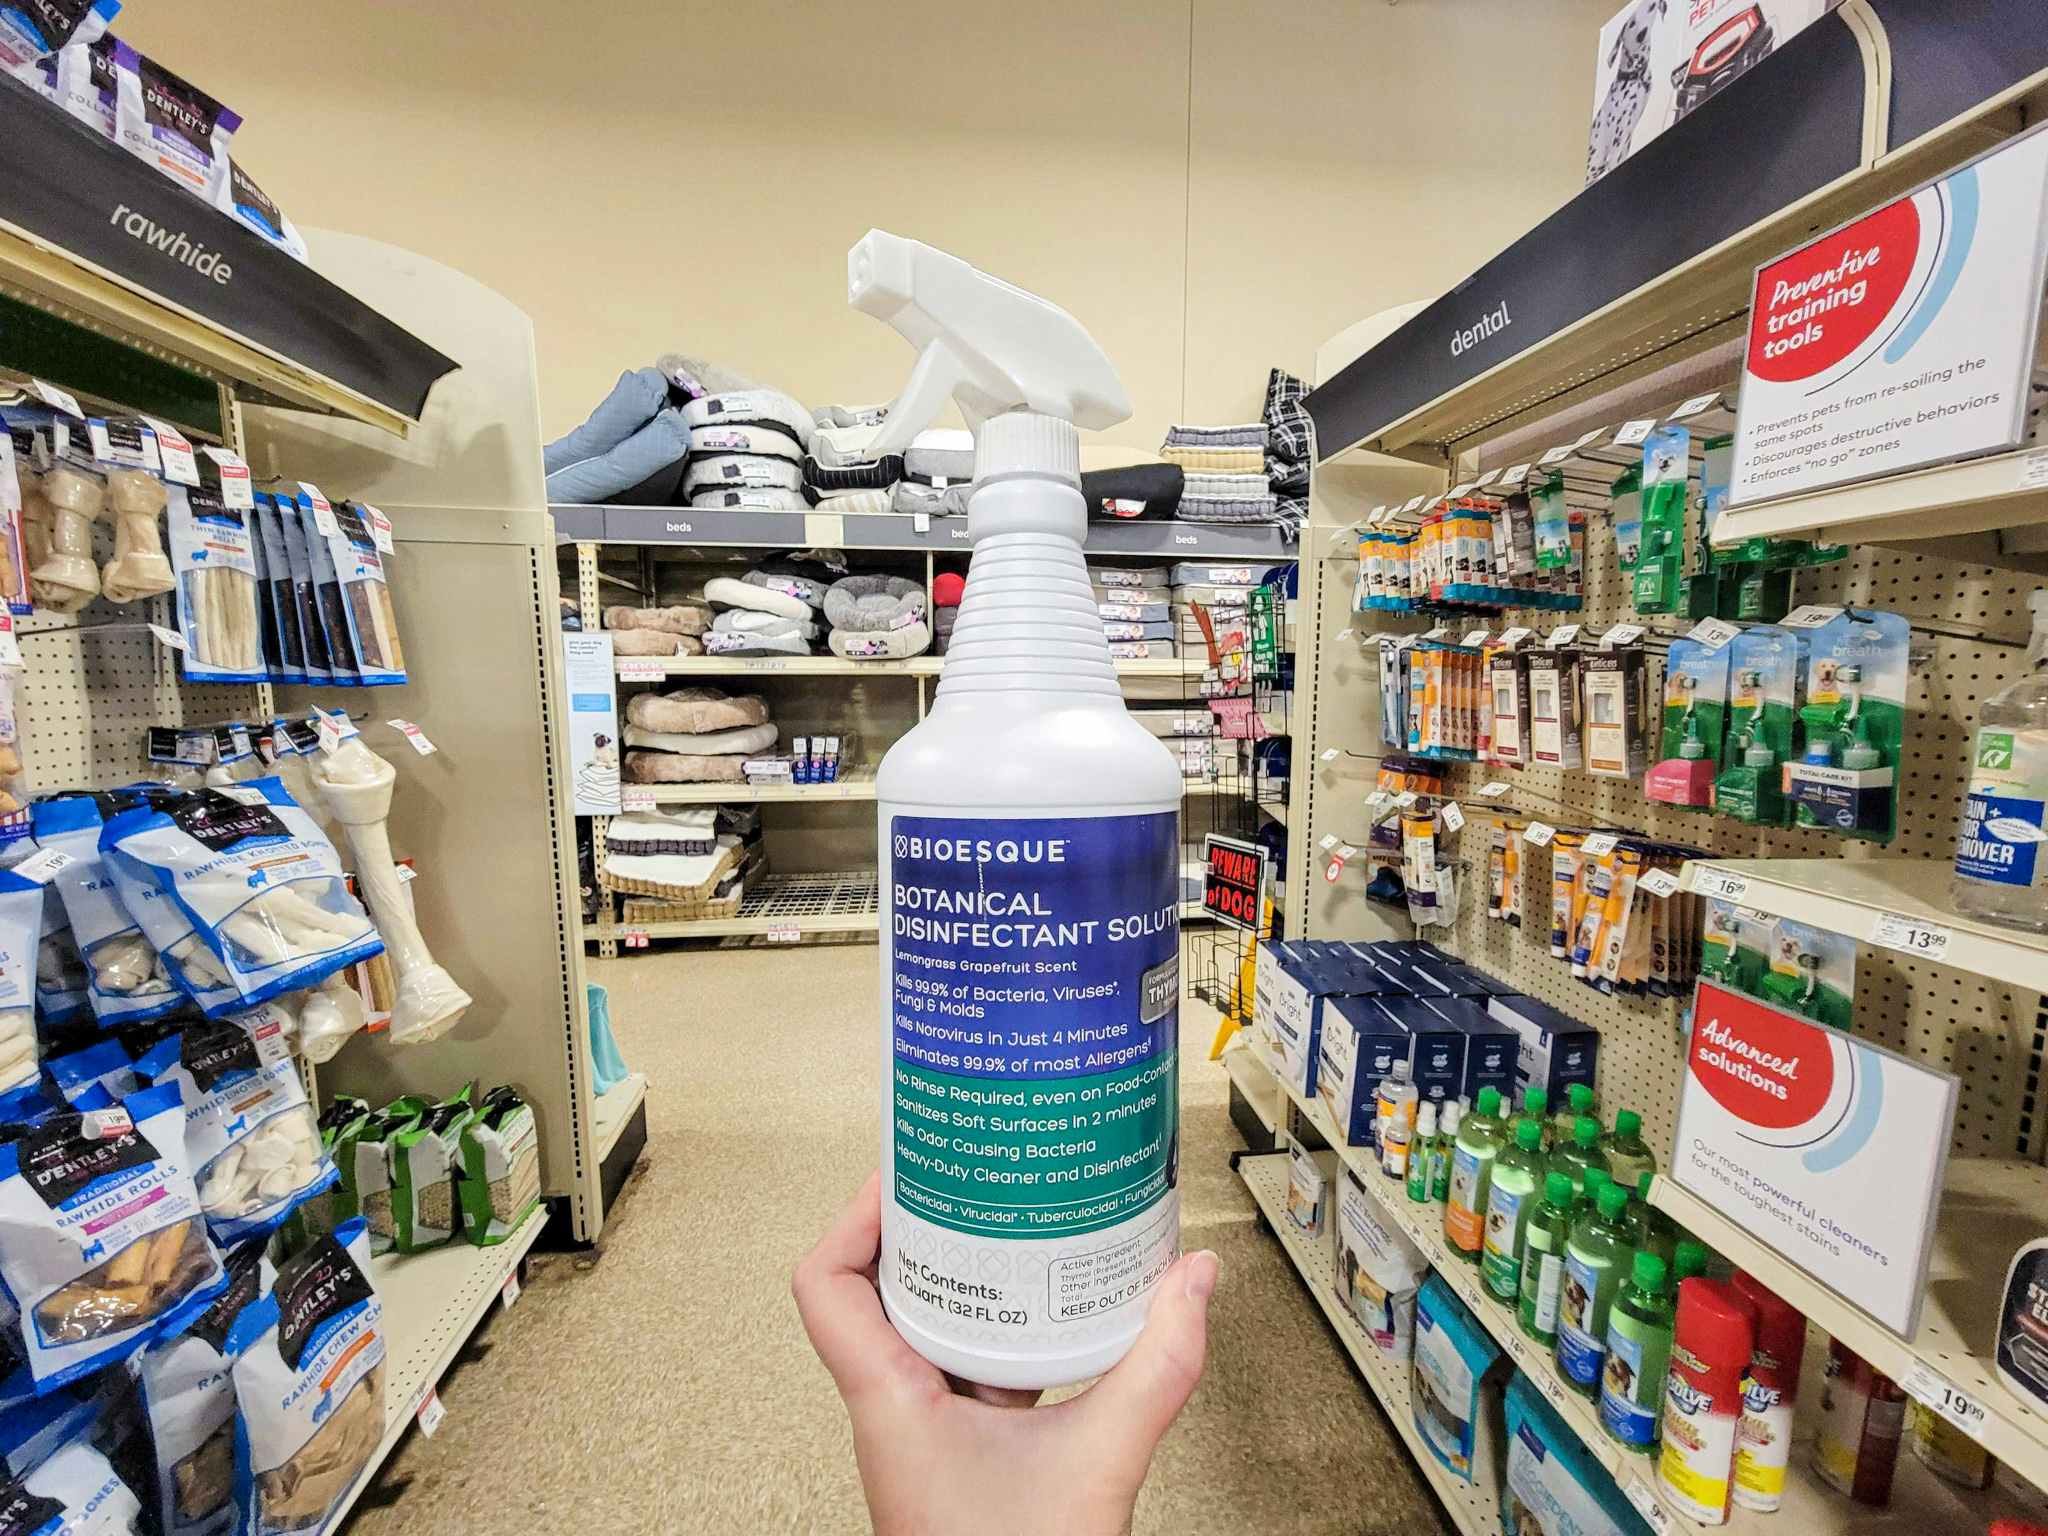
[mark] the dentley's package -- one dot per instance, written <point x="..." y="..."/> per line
<point x="282" y="598"/>
<point x="21" y="931"/>
<point x="169" y="931"/>
<point x="75" y="1493"/>
<point x="216" y="572"/>
<point x="423" y="1175"/>
<point x="31" y="30"/>
<point x="251" y="1135"/>
<point x="190" y="1400"/>
<point x="1554" y="1486"/>
<point x="497" y="1169"/>
<point x="1453" y="1396"/>
<point x="252" y="205"/>
<point x="33" y="1429"/>
<point x="316" y="518"/>
<point x="60" y="970"/>
<point x="101" y="1240"/>
<point x="364" y="595"/>
<point x="305" y="599"/>
<point x="309" y="1385"/>
<point x="173" y="125"/>
<point x="125" y="980"/>
<point x="80" y="78"/>
<point x="257" y="879"/>
<point x="102" y="1066"/>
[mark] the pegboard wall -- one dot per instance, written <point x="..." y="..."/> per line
<point x="1972" y="624"/>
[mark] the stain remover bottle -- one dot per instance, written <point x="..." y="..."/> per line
<point x="1029" y="846"/>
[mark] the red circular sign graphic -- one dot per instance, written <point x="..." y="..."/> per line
<point x="1804" y="321"/>
<point x="1740" y="1054"/>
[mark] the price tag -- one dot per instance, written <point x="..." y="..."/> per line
<point x="1927" y="940"/>
<point x="1510" y="638"/>
<point x="1564" y="634"/>
<point x="236" y="489"/>
<point x="634" y="938"/>
<point x="1631" y="433"/>
<point x="55" y="398"/>
<point x="786" y="933"/>
<point x="636" y="797"/>
<point x="1599" y="845"/>
<point x="1649" y="1506"/>
<point x="1695" y="405"/>
<point x="414" y="735"/>
<point x="175" y="452"/>
<point x="1405" y="799"/>
<point x="1660" y="883"/>
<point x="1453" y="815"/>
<point x="920" y="522"/>
<point x="1811" y="616"/>
<point x="1441" y="632"/>
<point x="170" y="638"/>
<point x="103" y="1124"/>
<point x="406" y="873"/>
<point x="1475" y="638"/>
<point x="1331" y="754"/>
<point x="1458" y="492"/>
<point x="1329" y="841"/>
<point x="641" y="670"/>
<point x="329" y="728"/>
<point x="1713" y="633"/>
<point x="1343" y="634"/>
<point x="1376" y="516"/>
<point x="1486" y="479"/>
<point x="1376" y="799"/>
<point x="1929" y="1387"/>
<point x="1538" y="834"/>
<point x="430" y="1413"/>
<point x="1718" y="883"/>
<point x="10" y="646"/>
<point x="1621" y="634"/>
<point x="1554" y="1390"/>
<point x="1345" y="853"/>
<point x="1332" y="870"/>
<point x="1413" y="505"/>
<point x="1513" y="475"/>
<point x="380" y="530"/>
<point x="323" y="509"/>
<point x="1494" y="789"/>
<point x="508" y="1293"/>
<point x="39" y="867"/>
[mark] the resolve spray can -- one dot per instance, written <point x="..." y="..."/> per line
<point x="1710" y="1349"/>
<point x="1029" y="850"/>
<point x="1770" y="1384"/>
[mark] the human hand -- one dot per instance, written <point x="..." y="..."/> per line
<point x="938" y="1457"/>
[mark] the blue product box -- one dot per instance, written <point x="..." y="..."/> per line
<point x="1292" y="982"/>
<point x="1361" y="1042"/>
<point x="1436" y="1049"/>
<point x="1492" y="1049"/>
<point x="1555" y="1050"/>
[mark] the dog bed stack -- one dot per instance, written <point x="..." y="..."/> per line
<point x="747" y="450"/>
<point x="837" y="466"/>
<point x="948" y="587"/>
<point x="877" y="618"/>
<point x="763" y="613"/>
<point x="1189" y="734"/>
<point x="1220" y="589"/>
<point x="1225" y="473"/>
<point x="677" y="630"/>
<point x="1136" y="610"/>
<point x="694" y="736"/>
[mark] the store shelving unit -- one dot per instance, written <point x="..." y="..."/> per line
<point x="855" y="782"/>
<point x="1255" y="1083"/>
<point x="782" y="909"/>
<point x="1473" y="1507"/>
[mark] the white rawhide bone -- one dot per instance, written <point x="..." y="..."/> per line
<point x="126" y="965"/>
<point x="328" y="1015"/>
<point x="140" y="568"/>
<point x="18" y="1063"/>
<point x="65" y="579"/>
<point x="356" y="785"/>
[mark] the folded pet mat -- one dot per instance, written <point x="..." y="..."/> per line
<point x="740" y="471"/>
<point x="1210" y="597"/>
<point x="867" y="475"/>
<point x="654" y="642"/>
<point x="1222" y="573"/>
<point x="662" y="443"/>
<point x="1217" y="509"/>
<point x="1247" y="434"/>
<point x="746" y="592"/>
<point x="676" y="619"/>
<point x="742" y="739"/>
<point x="940" y="454"/>
<point x="752" y="408"/>
<point x="1142" y="650"/>
<point x="693" y="829"/>
<point x="759" y="643"/>
<point x="1128" y="575"/>
<point x="839" y="447"/>
<point x="1168" y="723"/>
<point x="850" y="415"/>
<point x="1119" y="629"/>
<point x="672" y="876"/>
<point x="696" y="710"/>
<point x="874" y="604"/>
<point x="764" y="499"/>
<point x="1287" y="432"/>
<point x="914" y="639"/>
<point x="1137" y="492"/>
<point x="744" y="621"/>
<point x="862" y="503"/>
<point x="680" y="768"/>
<point x="1136" y="613"/>
<point x="634" y="401"/>
<point x="909" y="496"/>
<point x="1234" y="448"/>
<point x="1217" y="487"/>
<point x="735" y="437"/>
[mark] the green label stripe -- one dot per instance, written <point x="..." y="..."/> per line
<point x="1049" y="1158"/>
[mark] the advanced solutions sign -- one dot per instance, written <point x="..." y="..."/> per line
<point x="1827" y="1149"/>
<point x="1906" y="338"/>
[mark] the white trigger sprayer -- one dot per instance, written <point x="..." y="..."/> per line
<point x="1029" y="847"/>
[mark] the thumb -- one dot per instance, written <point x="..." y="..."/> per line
<point x="1135" y="1404"/>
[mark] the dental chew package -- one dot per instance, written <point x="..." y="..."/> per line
<point x="171" y="124"/>
<point x="31" y="30"/>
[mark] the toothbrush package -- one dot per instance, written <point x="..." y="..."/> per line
<point x="1846" y="778"/>
<point x="1766" y="673"/>
<point x="1695" y="718"/>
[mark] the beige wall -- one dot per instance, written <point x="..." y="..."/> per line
<point x="646" y="175"/>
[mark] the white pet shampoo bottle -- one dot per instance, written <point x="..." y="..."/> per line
<point x="1029" y="846"/>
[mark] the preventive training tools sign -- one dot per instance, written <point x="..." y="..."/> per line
<point x="1903" y="339"/>
<point x="1825" y="1148"/>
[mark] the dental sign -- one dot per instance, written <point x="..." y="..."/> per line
<point x="1901" y="340"/>
<point x="1826" y="1149"/>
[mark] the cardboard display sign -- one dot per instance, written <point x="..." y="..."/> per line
<point x="1825" y="1148"/>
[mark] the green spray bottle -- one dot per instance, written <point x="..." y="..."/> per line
<point x="1628" y="1156"/>
<point x="1639" y="1328"/>
<point x="1480" y="1139"/>
<point x="1581" y="1153"/>
<point x="1510" y="1200"/>
<point x="1542" y="1284"/>
<point x="1593" y="1260"/>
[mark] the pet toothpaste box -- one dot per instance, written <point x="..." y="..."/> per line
<point x="1361" y="1042"/>
<point x="1555" y="1049"/>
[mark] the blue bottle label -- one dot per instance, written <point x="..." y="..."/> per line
<point x="1580" y="1349"/>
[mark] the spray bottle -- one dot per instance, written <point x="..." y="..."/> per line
<point x="1029" y="849"/>
<point x="2000" y="874"/>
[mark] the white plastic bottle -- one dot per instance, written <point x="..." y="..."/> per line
<point x="2001" y="865"/>
<point x="1394" y="1113"/>
<point x="1029" y="846"/>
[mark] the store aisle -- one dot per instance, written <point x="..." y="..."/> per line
<point x="670" y="1387"/>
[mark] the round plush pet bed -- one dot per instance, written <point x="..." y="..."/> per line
<point x="756" y="643"/>
<point x="751" y="408"/>
<point x="741" y="471"/>
<point x="696" y="709"/>
<point x="654" y="642"/>
<point x="679" y="619"/>
<point x="877" y="617"/>
<point x="738" y="592"/>
<point x="737" y="437"/>
<point x="742" y="621"/>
